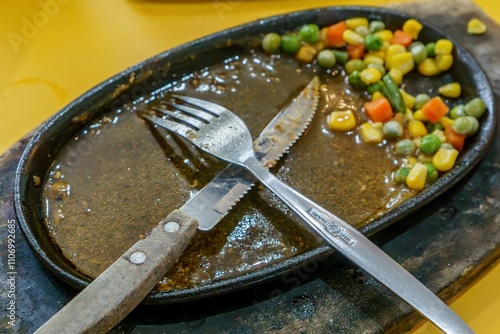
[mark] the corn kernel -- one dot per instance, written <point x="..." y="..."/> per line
<point x="370" y="134"/>
<point x="443" y="47"/>
<point x="444" y="62"/>
<point x="417" y="177"/>
<point x="355" y="22"/>
<point x="428" y="67"/>
<point x="378" y="125"/>
<point x="352" y="38"/>
<point x="417" y="128"/>
<point x="307" y="53"/>
<point x="424" y="158"/>
<point x="446" y="121"/>
<point x="371" y="59"/>
<point x="419" y="116"/>
<point x="380" y="54"/>
<point x="412" y="161"/>
<point x="408" y="98"/>
<point x="408" y="116"/>
<point x="391" y="51"/>
<point x="403" y="61"/>
<point x="385" y="45"/>
<point x="342" y="120"/>
<point x="376" y="96"/>
<point x="370" y="75"/>
<point x="396" y="74"/>
<point x="386" y="35"/>
<point x="451" y="90"/>
<point x="412" y="27"/>
<point x="440" y="135"/>
<point x="444" y="159"/>
<point x="476" y="27"/>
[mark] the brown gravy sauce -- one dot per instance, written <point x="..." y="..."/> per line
<point x="119" y="177"/>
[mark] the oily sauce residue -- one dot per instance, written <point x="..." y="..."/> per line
<point x="120" y="176"/>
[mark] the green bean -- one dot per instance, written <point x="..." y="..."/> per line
<point x="432" y="172"/>
<point x="421" y="100"/>
<point x="373" y="42"/>
<point x="431" y="127"/>
<point x="401" y="174"/>
<point x="271" y="43"/>
<point x="341" y="56"/>
<point x="354" y="65"/>
<point x="405" y="147"/>
<point x="309" y="33"/>
<point x="376" y="26"/>
<point x="326" y="58"/>
<point x="393" y="94"/>
<point x="392" y="130"/>
<point x="430" y="144"/>
<point x="475" y="107"/>
<point x="290" y="44"/>
<point x="457" y="111"/>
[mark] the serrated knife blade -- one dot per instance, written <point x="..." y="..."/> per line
<point x="214" y="200"/>
<point x="121" y="287"/>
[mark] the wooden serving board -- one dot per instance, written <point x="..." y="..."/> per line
<point x="446" y="245"/>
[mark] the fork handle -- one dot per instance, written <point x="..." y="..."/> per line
<point x="360" y="250"/>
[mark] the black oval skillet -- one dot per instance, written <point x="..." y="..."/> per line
<point x="166" y="68"/>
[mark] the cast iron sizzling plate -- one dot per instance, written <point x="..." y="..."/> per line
<point x="163" y="69"/>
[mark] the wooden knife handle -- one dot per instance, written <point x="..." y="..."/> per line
<point x="119" y="289"/>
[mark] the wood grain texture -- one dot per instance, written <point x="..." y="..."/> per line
<point x="121" y="287"/>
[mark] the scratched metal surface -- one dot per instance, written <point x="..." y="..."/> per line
<point x="445" y="245"/>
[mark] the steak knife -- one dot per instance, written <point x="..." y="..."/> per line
<point x="121" y="287"/>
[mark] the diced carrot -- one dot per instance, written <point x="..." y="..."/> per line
<point x="379" y="110"/>
<point x="356" y="51"/>
<point x="400" y="37"/>
<point x="455" y="139"/>
<point x="334" y="34"/>
<point x="435" y="109"/>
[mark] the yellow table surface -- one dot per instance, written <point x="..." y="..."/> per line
<point x="77" y="44"/>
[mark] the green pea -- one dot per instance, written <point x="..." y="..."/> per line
<point x="405" y="147"/>
<point x="290" y="44"/>
<point x="373" y="42"/>
<point x="326" y="58"/>
<point x="430" y="144"/>
<point x="379" y="67"/>
<point x="457" y="111"/>
<point x="341" y="56"/>
<point x="355" y="79"/>
<point x="431" y="127"/>
<point x="419" y="53"/>
<point x="362" y="30"/>
<point x="309" y="33"/>
<point x="271" y="43"/>
<point x="475" y="107"/>
<point x="421" y="100"/>
<point x="465" y="125"/>
<point x="401" y="174"/>
<point x="376" y="26"/>
<point x="432" y="172"/>
<point x="375" y="87"/>
<point x="354" y="65"/>
<point x="414" y="44"/>
<point x="392" y="130"/>
<point x="431" y="49"/>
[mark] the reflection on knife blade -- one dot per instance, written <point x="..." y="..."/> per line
<point x="213" y="202"/>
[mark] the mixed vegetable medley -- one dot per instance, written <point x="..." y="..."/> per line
<point x="423" y="129"/>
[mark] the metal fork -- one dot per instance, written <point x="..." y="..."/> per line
<point x="221" y="133"/>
